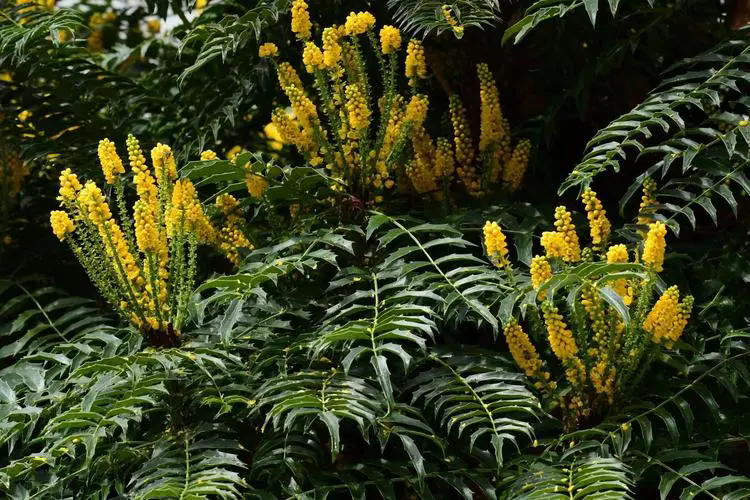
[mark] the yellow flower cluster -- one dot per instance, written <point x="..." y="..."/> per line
<point x="598" y="222"/>
<point x="165" y="167"/>
<point x="540" y="271"/>
<point x="139" y="263"/>
<point x="464" y="147"/>
<point x="110" y="161"/>
<point x="356" y="107"/>
<point x="603" y="378"/>
<point x="416" y="64"/>
<point x="668" y="317"/>
<point x="256" y="184"/>
<point x="231" y="238"/>
<point x="560" y="337"/>
<point x="61" y="224"/>
<point x="208" y="155"/>
<point x="515" y="169"/>
<point x="390" y="39"/>
<point x="494" y="242"/>
<point x="655" y="245"/>
<point x="491" y="124"/>
<point x="564" y="226"/>
<point x="312" y="57"/>
<point x="331" y="47"/>
<point x="619" y="253"/>
<point x="359" y="23"/>
<point x="367" y="157"/>
<point x="523" y="350"/>
<point x="301" y="25"/>
<point x="268" y="49"/>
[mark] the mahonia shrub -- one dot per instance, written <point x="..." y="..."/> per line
<point x="373" y="145"/>
<point x="606" y="329"/>
<point x="145" y="263"/>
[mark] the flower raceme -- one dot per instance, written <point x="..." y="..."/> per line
<point x="143" y="262"/>
<point x="367" y="142"/>
<point x="600" y="354"/>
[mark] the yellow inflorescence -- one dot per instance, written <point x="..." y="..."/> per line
<point x="331" y="47"/>
<point x="208" y="155"/>
<point x="390" y="39"/>
<point x="358" y="23"/>
<point x="598" y="222"/>
<point x="564" y="226"/>
<point x="603" y="378"/>
<point x="668" y="317"/>
<point x="522" y="349"/>
<point x="494" y="242"/>
<point x="416" y="64"/>
<point x="255" y="183"/>
<point x="465" y="153"/>
<point x="619" y="253"/>
<point x="288" y="76"/>
<point x="560" y="337"/>
<point x="416" y="110"/>
<point x="231" y="238"/>
<point x="541" y="271"/>
<point x="146" y="232"/>
<point x="444" y="164"/>
<point x="356" y="107"/>
<point x="301" y="24"/>
<point x="654" y="247"/>
<point x="163" y="162"/>
<point x="268" y="50"/>
<point x="312" y="57"/>
<point x="61" y="224"/>
<point x="110" y="161"/>
<point x="516" y="168"/>
<point x="491" y="129"/>
<point x="554" y="244"/>
<point x="69" y="185"/>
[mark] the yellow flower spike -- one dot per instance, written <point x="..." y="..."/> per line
<point x="416" y="110"/>
<point x="359" y="23"/>
<point x="516" y="168"/>
<point x="208" y="155"/>
<point x="288" y="76"/>
<point x="312" y="56"/>
<point x="268" y="49"/>
<point x="186" y="213"/>
<point x="288" y="129"/>
<point x="256" y="184"/>
<point x="464" y="146"/>
<point x="416" y="65"/>
<point x="301" y="25"/>
<point x="565" y="227"/>
<point x="110" y="162"/>
<point x="560" y="337"/>
<point x="233" y="152"/>
<point x="444" y="164"/>
<point x="448" y="15"/>
<point x="603" y="379"/>
<point x="331" y="47"/>
<point x="61" y="224"/>
<point x="163" y="161"/>
<point x="660" y="320"/>
<point x="554" y="244"/>
<point x="541" y="271"/>
<point x="598" y="222"/>
<point x="69" y="185"/>
<point x="146" y="232"/>
<point x="522" y="349"/>
<point x="356" y="107"/>
<point x="494" y="242"/>
<point x="491" y="130"/>
<point x="655" y="246"/>
<point x="226" y="203"/>
<point x="618" y="253"/>
<point x="390" y="39"/>
<point x="303" y="107"/>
